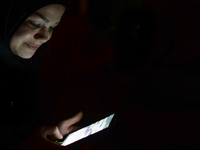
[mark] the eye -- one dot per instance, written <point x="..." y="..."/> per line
<point x="33" y="24"/>
<point x="39" y="25"/>
<point x="52" y="28"/>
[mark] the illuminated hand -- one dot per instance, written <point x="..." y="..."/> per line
<point x="38" y="140"/>
<point x="65" y="127"/>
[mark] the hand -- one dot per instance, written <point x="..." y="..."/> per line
<point x="65" y="127"/>
<point x="38" y="140"/>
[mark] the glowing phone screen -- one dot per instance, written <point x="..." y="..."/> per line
<point x="89" y="130"/>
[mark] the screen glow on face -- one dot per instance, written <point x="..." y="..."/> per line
<point x="89" y="130"/>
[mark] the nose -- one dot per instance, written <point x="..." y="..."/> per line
<point x="43" y="35"/>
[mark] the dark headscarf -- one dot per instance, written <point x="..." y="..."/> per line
<point x="18" y="77"/>
<point x="15" y="12"/>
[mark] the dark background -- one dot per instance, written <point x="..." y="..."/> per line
<point x="137" y="57"/>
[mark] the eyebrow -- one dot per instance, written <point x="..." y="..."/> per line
<point x="43" y="18"/>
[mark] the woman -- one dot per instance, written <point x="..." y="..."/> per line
<point x="25" y="27"/>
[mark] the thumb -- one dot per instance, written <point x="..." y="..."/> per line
<point x="65" y="125"/>
<point x="52" y="131"/>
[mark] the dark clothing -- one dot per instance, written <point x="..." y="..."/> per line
<point x="19" y="85"/>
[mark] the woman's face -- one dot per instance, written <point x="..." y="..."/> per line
<point x="36" y="30"/>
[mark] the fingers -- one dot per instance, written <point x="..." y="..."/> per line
<point x="65" y="125"/>
<point x="51" y="130"/>
<point x="76" y="118"/>
<point x="68" y="122"/>
<point x="38" y="140"/>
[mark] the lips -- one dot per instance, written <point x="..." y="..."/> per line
<point x="32" y="46"/>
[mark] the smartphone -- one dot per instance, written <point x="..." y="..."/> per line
<point x="89" y="130"/>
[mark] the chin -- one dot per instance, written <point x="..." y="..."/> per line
<point x="26" y="56"/>
<point x="23" y="53"/>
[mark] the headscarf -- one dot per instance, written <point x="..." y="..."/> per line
<point x="15" y="12"/>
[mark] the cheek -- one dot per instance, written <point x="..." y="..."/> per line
<point x="23" y="34"/>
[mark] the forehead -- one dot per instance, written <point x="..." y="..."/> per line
<point x="51" y="12"/>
